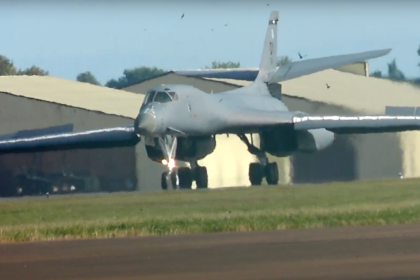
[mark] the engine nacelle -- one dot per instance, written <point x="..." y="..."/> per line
<point x="286" y="141"/>
<point x="313" y="140"/>
<point x="188" y="148"/>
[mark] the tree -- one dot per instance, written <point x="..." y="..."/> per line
<point x="224" y="65"/>
<point x="376" y="74"/>
<point x="418" y="52"/>
<point x="394" y="73"/>
<point x="283" y="60"/>
<point x="134" y="76"/>
<point x="33" y="71"/>
<point x="88" y="77"/>
<point x="6" y="67"/>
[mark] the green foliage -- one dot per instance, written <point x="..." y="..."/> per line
<point x="6" y="67"/>
<point x="283" y="60"/>
<point x="88" y="77"/>
<point x="134" y="76"/>
<point x="224" y="65"/>
<point x="377" y="74"/>
<point x="262" y="208"/>
<point x="418" y="52"/>
<point x="394" y="73"/>
<point x="33" y="71"/>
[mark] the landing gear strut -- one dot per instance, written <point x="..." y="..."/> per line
<point x="182" y="177"/>
<point x="261" y="169"/>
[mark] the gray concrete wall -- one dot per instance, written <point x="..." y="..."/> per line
<point x="18" y="113"/>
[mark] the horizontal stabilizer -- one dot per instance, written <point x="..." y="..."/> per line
<point x="358" y="124"/>
<point x="92" y="139"/>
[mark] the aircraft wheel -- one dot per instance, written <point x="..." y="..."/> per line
<point x="185" y="178"/>
<point x="255" y="173"/>
<point x="272" y="173"/>
<point x="163" y="182"/>
<point x="173" y="180"/>
<point x="201" y="177"/>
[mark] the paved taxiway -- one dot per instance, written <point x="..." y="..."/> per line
<point x="391" y="252"/>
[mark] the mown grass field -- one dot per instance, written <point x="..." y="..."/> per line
<point x="239" y="209"/>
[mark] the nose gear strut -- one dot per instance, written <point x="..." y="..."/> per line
<point x="181" y="177"/>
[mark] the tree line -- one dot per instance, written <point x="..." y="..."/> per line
<point x="139" y="74"/>
<point x="396" y="74"/>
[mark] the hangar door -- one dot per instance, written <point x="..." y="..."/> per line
<point x="89" y="170"/>
<point x="335" y="163"/>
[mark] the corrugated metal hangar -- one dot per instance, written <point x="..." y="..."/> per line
<point x="32" y="102"/>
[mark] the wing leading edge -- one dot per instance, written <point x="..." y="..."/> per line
<point x="91" y="139"/>
<point x="358" y="124"/>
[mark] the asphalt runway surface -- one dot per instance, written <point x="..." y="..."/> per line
<point x="380" y="252"/>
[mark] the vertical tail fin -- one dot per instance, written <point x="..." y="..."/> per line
<point x="268" y="64"/>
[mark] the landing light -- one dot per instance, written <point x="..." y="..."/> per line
<point x="171" y="163"/>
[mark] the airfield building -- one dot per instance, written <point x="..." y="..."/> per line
<point x="28" y="103"/>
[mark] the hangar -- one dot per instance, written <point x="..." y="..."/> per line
<point x="34" y="102"/>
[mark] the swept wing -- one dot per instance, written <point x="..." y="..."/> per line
<point x="358" y="124"/>
<point x="290" y="71"/>
<point x="91" y="139"/>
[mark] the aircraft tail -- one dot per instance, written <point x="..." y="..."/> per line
<point x="268" y="64"/>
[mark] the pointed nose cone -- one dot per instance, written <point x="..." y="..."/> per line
<point x="146" y="123"/>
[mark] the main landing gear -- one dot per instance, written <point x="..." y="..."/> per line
<point x="181" y="177"/>
<point x="261" y="169"/>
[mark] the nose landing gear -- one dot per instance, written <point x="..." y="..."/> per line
<point x="181" y="177"/>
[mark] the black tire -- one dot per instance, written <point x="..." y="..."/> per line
<point x="173" y="180"/>
<point x="163" y="182"/>
<point x="201" y="177"/>
<point x="272" y="173"/>
<point x="185" y="178"/>
<point x="255" y="174"/>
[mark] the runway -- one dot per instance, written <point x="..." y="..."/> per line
<point x="380" y="252"/>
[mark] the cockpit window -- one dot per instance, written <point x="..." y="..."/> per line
<point x="162" y="97"/>
<point x="173" y="95"/>
<point x="149" y="97"/>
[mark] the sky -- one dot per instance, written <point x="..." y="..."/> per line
<point x="105" y="37"/>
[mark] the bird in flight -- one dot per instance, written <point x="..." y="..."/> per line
<point x="226" y="24"/>
<point x="301" y="56"/>
<point x="328" y="86"/>
<point x="182" y="16"/>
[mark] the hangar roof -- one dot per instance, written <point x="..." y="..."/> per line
<point x="74" y="94"/>
<point x="356" y="92"/>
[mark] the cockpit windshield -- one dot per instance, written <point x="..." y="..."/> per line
<point x="149" y="97"/>
<point x="160" y="97"/>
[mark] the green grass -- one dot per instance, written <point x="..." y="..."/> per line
<point x="239" y="209"/>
